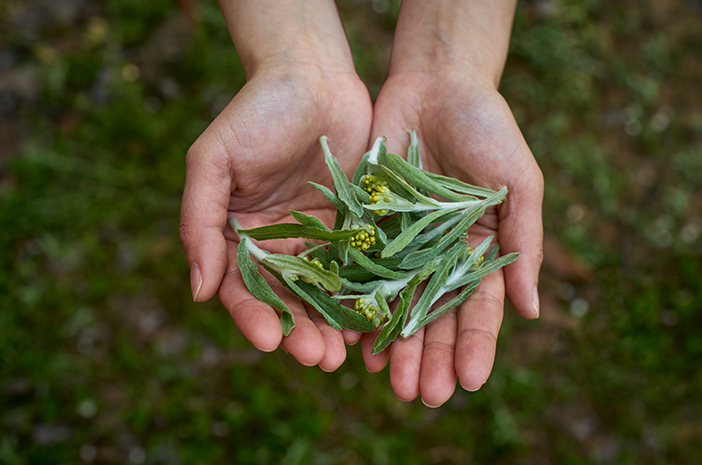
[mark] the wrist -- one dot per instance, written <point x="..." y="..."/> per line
<point x="466" y="38"/>
<point x="287" y="33"/>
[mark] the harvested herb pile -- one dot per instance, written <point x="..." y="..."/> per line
<point x="390" y="236"/>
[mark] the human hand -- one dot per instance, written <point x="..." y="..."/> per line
<point x="253" y="163"/>
<point x="446" y="64"/>
<point x="465" y="130"/>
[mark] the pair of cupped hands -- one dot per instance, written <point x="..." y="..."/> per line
<point x="253" y="163"/>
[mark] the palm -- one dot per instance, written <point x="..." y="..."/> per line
<point x="258" y="155"/>
<point x="465" y="131"/>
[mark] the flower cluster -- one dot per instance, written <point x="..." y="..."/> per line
<point x="366" y="308"/>
<point x="364" y="239"/>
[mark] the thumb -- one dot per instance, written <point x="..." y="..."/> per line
<point x="203" y="217"/>
<point x="521" y="230"/>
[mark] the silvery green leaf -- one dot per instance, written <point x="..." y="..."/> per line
<point x="317" y="251"/>
<point x="373" y="267"/>
<point x="303" y="268"/>
<point x="389" y="174"/>
<point x="417" y="258"/>
<point x="361" y="195"/>
<point x="492" y="254"/>
<point x="326" y="192"/>
<point x="289" y="230"/>
<point x="485" y="269"/>
<point x="413" y="157"/>
<point x="344" y="189"/>
<point x="430" y="294"/>
<point x="455" y="302"/>
<point x="460" y="186"/>
<point x="308" y="220"/>
<point x="419" y="179"/>
<point x="336" y="314"/>
<point x="377" y="151"/>
<point x="406" y="236"/>
<point x="393" y="327"/>
<point x="363" y="288"/>
<point x="361" y="170"/>
<point x="257" y="285"/>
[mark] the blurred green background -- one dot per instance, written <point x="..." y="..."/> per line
<point x="105" y="359"/>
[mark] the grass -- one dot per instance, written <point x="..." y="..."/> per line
<point x="105" y="359"/>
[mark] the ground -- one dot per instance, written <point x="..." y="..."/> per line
<point x="105" y="359"/>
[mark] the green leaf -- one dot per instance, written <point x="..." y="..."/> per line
<point x="331" y="196"/>
<point x="373" y="267"/>
<point x="336" y="314"/>
<point x="485" y="269"/>
<point x="361" y="195"/>
<point x="413" y="157"/>
<point x="406" y="236"/>
<point x="455" y="302"/>
<point x="418" y="178"/>
<point x="344" y="189"/>
<point x="289" y="230"/>
<point x="257" y="285"/>
<point x="304" y="269"/>
<point x="430" y="294"/>
<point x="308" y="220"/>
<point x="361" y="170"/>
<point x="460" y="186"/>
<point x="362" y="287"/>
<point x="414" y="259"/>
<point x="393" y="327"/>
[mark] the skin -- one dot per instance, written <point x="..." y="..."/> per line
<point x="255" y="158"/>
<point x="253" y="162"/>
<point x="446" y="65"/>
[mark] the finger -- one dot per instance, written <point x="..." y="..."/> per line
<point x="479" y="320"/>
<point x="203" y="217"/>
<point x="405" y="365"/>
<point x="257" y="321"/>
<point x="350" y="337"/>
<point x="335" y="348"/>
<point x="260" y="324"/>
<point x="437" y="380"/>
<point x="521" y="230"/>
<point x="374" y="363"/>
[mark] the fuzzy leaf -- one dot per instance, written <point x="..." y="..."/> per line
<point x="455" y="302"/>
<point x="304" y="269"/>
<point x="406" y="236"/>
<point x="257" y="285"/>
<point x="460" y="186"/>
<point x="393" y="327"/>
<point x="342" y="185"/>
<point x="486" y="268"/>
<point x="331" y="196"/>
<point x="289" y="230"/>
<point x="308" y="220"/>
<point x="414" y="259"/>
<point x="429" y="296"/>
<point x="336" y="314"/>
<point x="373" y="267"/>
<point x="418" y="178"/>
<point x="413" y="157"/>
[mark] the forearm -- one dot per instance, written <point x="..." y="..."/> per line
<point x="469" y="36"/>
<point x="285" y="32"/>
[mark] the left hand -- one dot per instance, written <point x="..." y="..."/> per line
<point x="465" y="130"/>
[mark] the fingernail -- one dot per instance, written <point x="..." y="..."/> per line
<point x="195" y="280"/>
<point x="430" y="406"/>
<point x="536" y="301"/>
<point x="470" y="389"/>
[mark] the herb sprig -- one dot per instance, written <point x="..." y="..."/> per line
<point x="391" y="235"/>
